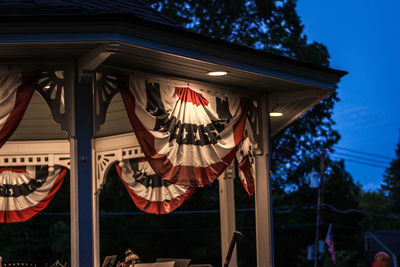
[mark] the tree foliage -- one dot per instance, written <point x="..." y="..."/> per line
<point x="391" y="180"/>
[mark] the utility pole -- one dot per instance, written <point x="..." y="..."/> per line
<point x="319" y="202"/>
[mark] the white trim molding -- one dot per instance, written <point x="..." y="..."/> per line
<point x="36" y="152"/>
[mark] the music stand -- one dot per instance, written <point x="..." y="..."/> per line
<point x="109" y="261"/>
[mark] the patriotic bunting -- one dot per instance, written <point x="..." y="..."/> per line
<point x="25" y="191"/>
<point x="188" y="136"/>
<point x="246" y="162"/>
<point x="16" y="90"/>
<point x="149" y="193"/>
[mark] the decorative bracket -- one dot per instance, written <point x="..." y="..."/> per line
<point x="51" y="87"/>
<point x="93" y="59"/>
<point x="110" y="150"/>
<point x="104" y="90"/>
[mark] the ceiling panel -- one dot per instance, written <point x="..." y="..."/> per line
<point x="37" y="123"/>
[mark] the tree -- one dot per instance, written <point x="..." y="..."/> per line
<point x="379" y="211"/>
<point x="391" y="180"/>
<point x="269" y="25"/>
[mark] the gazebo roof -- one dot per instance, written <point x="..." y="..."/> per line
<point x="71" y="40"/>
<point x="129" y="36"/>
<point x="34" y="8"/>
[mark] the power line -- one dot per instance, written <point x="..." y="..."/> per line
<point x="360" y="162"/>
<point x="361" y="158"/>
<point x="362" y="152"/>
<point x="289" y="209"/>
<point x="360" y="211"/>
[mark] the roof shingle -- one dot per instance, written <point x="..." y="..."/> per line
<point x="135" y="8"/>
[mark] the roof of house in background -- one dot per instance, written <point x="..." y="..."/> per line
<point x="390" y="238"/>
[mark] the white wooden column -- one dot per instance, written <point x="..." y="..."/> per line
<point x="263" y="209"/>
<point x="105" y="152"/>
<point x="81" y="135"/>
<point x="227" y="213"/>
<point x="73" y="183"/>
<point x="74" y="232"/>
<point x="95" y="211"/>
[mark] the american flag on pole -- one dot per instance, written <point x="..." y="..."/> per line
<point x="331" y="245"/>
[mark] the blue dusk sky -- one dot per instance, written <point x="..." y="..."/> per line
<point x="363" y="38"/>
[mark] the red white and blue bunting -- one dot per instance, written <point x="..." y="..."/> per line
<point x="246" y="162"/>
<point x="188" y="136"/>
<point x="16" y="90"/>
<point x="148" y="191"/>
<point x="25" y="191"/>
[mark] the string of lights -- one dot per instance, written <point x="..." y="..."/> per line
<point x="287" y="209"/>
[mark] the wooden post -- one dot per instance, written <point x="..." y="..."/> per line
<point x="320" y="201"/>
<point x="227" y="213"/>
<point x="264" y="229"/>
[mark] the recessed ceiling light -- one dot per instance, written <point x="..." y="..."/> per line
<point x="217" y="73"/>
<point x="276" y="114"/>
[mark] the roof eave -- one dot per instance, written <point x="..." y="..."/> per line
<point x="132" y="30"/>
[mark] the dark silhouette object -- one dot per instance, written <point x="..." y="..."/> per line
<point x="231" y="247"/>
<point x="178" y="262"/>
<point x="130" y="259"/>
<point x="381" y="259"/>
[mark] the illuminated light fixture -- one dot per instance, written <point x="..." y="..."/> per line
<point x="276" y="114"/>
<point x="217" y="73"/>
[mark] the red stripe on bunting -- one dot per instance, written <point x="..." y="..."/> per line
<point x="13" y="216"/>
<point x="245" y="168"/>
<point x="155" y="207"/>
<point x="24" y="94"/>
<point x="185" y="94"/>
<point x="183" y="175"/>
<point x="13" y="169"/>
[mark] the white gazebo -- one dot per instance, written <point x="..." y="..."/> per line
<point x="77" y="119"/>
